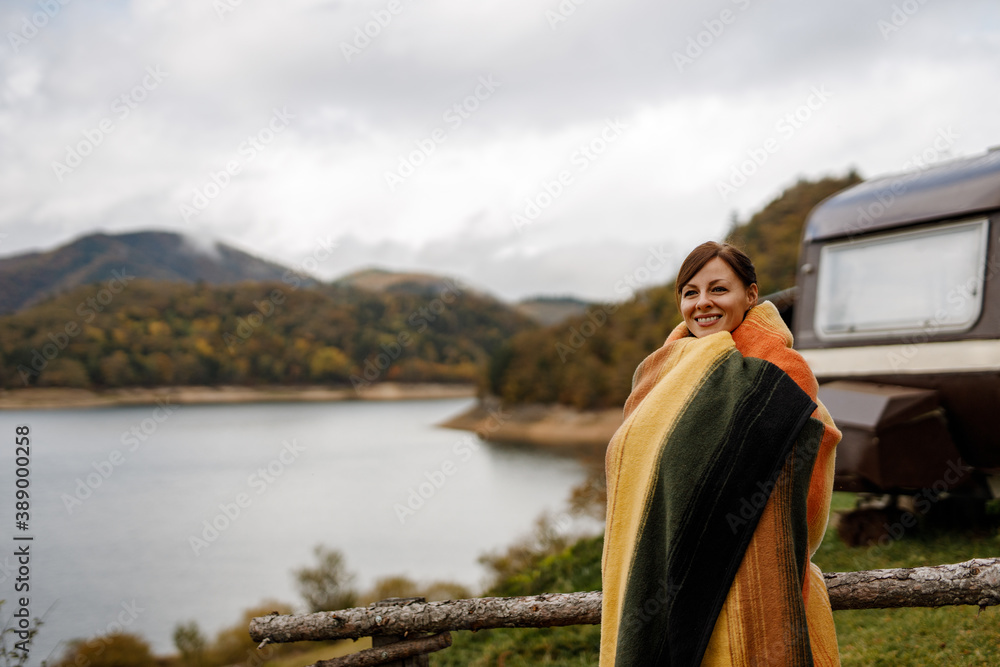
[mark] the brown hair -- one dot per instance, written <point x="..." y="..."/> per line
<point x="737" y="260"/>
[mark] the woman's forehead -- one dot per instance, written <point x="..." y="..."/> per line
<point x="714" y="269"/>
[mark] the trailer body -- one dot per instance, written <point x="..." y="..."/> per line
<point x="897" y="311"/>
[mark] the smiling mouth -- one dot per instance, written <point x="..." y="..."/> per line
<point x="708" y="319"/>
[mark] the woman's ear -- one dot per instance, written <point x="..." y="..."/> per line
<point x="752" y="295"/>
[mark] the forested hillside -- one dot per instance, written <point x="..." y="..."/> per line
<point x="587" y="361"/>
<point x="143" y="333"/>
<point x="30" y="278"/>
<point x="772" y="236"/>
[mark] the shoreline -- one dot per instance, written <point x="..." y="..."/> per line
<point x="555" y="427"/>
<point x="51" y="398"/>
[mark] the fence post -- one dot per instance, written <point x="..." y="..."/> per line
<point x="382" y="640"/>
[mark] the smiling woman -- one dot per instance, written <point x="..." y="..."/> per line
<point x="716" y="287"/>
<point x="719" y="483"/>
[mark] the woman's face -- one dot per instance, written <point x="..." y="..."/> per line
<point x="715" y="299"/>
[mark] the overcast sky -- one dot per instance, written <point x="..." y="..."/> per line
<point x="528" y="147"/>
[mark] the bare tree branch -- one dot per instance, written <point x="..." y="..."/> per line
<point x="974" y="582"/>
<point x="471" y="614"/>
<point x="391" y="652"/>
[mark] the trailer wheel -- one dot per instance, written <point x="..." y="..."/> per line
<point x="959" y="512"/>
<point x="867" y="526"/>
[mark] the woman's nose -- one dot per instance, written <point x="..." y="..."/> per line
<point x="703" y="302"/>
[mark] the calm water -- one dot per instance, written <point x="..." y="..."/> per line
<point x="304" y="474"/>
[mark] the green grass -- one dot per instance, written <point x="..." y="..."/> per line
<point x="573" y="646"/>
<point x="952" y="636"/>
<point x="842" y="501"/>
<point x="576" y="567"/>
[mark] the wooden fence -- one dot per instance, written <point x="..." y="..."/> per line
<point x="399" y="627"/>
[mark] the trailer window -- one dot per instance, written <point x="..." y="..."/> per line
<point x="929" y="280"/>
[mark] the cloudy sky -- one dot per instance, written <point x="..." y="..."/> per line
<point x="529" y="147"/>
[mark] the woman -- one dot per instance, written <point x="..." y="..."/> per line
<point x="719" y="484"/>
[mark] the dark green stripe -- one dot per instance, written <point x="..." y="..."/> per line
<point x="735" y="432"/>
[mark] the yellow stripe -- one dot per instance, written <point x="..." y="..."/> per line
<point x="631" y="468"/>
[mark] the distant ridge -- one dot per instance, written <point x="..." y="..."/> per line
<point x="383" y="281"/>
<point x="548" y="310"/>
<point x="29" y="278"/>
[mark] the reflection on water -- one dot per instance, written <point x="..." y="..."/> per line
<point x="204" y="512"/>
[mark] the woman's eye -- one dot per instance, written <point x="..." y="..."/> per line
<point x="718" y="289"/>
<point x="690" y="292"/>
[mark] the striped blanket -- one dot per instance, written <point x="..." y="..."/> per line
<point x="719" y="485"/>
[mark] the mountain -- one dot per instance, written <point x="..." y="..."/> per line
<point x="163" y="256"/>
<point x="381" y="281"/>
<point x="548" y="310"/>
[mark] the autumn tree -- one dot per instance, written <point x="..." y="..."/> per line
<point x="327" y="586"/>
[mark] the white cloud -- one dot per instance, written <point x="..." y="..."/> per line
<point x="325" y="173"/>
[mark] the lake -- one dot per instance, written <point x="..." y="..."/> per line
<point x="153" y="516"/>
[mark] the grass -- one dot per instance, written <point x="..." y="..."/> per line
<point x="952" y="636"/>
<point x="955" y="636"/>
<point x="573" y="646"/>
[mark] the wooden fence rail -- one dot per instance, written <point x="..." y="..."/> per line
<point x="975" y="582"/>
